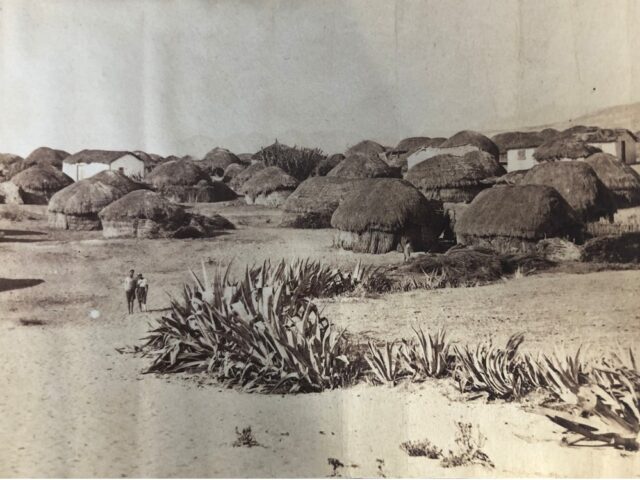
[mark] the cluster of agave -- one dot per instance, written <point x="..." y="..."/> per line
<point x="263" y="333"/>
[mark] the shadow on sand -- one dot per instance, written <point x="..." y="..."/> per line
<point x="16" y="236"/>
<point x="7" y="284"/>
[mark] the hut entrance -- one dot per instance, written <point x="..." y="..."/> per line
<point x="623" y="151"/>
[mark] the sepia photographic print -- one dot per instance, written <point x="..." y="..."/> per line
<point x="319" y="238"/>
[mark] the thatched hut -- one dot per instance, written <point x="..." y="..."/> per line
<point x="517" y="149"/>
<point x="146" y="214"/>
<point x="578" y="183"/>
<point x="10" y="164"/>
<point x="367" y="148"/>
<point x="217" y="160"/>
<point x="362" y="166"/>
<point x="450" y="178"/>
<point x="186" y="181"/>
<point x="513" y="218"/>
<point x="245" y="158"/>
<point x="231" y="171"/>
<point x="398" y="157"/>
<point x="469" y="138"/>
<point x="39" y="183"/>
<point x="76" y="207"/>
<point x="622" y="180"/>
<point x="327" y="164"/>
<point x="511" y="178"/>
<point x="269" y="186"/>
<point x="239" y="180"/>
<point x="312" y="204"/>
<point x="46" y="156"/>
<point x="564" y="148"/>
<point x="380" y="214"/>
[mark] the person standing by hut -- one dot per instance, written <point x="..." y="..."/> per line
<point x="130" y="284"/>
<point x="142" y="288"/>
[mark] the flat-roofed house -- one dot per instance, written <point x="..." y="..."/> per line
<point x="87" y="163"/>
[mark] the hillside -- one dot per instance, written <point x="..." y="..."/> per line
<point x="620" y="116"/>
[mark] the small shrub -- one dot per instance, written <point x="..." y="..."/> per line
<point x="422" y="448"/>
<point x="298" y="162"/>
<point x="245" y="438"/>
<point x="336" y="465"/>
<point x="469" y="448"/>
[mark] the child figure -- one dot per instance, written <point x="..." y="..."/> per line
<point x="142" y="288"/>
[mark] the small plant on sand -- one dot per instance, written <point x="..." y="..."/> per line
<point x="422" y="448"/>
<point x="336" y="466"/>
<point x="469" y="448"/>
<point x="429" y="356"/>
<point x="499" y="372"/>
<point x="245" y="438"/>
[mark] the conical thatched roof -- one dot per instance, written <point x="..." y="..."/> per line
<point x="365" y="147"/>
<point x="269" y="180"/>
<point x="450" y="171"/>
<point x="314" y="201"/>
<point x="564" y="148"/>
<point x="245" y="158"/>
<point x="239" y="180"/>
<point x="41" y="179"/>
<point x="91" y="195"/>
<point x="143" y="204"/>
<point x="231" y="171"/>
<point x="517" y="140"/>
<point x="10" y="164"/>
<point x="530" y="212"/>
<point x="621" y="179"/>
<point x="327" y="164"/>
<point x="549" y="133"/>
<point x="385" y="204"/>
<point x="578" y="183"/>
<point x="469" y="137"/>
<point x="361" y="166"/>
<point x="412" y="143"/>
<point x="47" y="156"/>
<point x="512" y="178"/>
<point x="218" y="159"/>
<point x="178" y="173"/>
<point x="146" y="214"/>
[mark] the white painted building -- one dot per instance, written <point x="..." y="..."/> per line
<point x="618" y="142"/>
<point x="520" y="159"/>
<point x="87" y="163"/>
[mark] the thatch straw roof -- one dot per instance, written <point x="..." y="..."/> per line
<point x="325" y="165"/>
<point x="218" y="159"/>
<point x="92" y="194"/>
<point x="269" y="180"/>
<point x="621" y="179"/>
<point x="362" y="166"/>
<point x="143" y="204"/>
<point x="511" y="178"/>
<point x="151" y="160"/>
<point x="548" y="133"/>
<point x="178" y="173"/>
<point x="522" y="211"/>
<point x="365" y="147"/>
<point x="231" y="171"/>
<point x="96" y="156"/>
<point x="245" y="158"/>
<point x="412" y="143"/>
<point x="41" y="179"/>
<point x="469" y="137"/>
<point x="10" y="164"/>
<point x="318" y="195"/>
<point x="517" y="140"/>
<point x="387" y="205"/>
<point x="564" y="147"/>
<point x="449" y="171"/>
<point x="606" y="135"/>
<point x="239" y="180"/>
<point x="578" y="183"/>
<point x="47" y="156"/>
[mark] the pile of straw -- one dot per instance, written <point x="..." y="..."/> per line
<point x="269" y="186"/>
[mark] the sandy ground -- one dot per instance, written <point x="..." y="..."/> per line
<point x="73" y="406"/>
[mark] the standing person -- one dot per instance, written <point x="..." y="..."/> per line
<point x="130" y="289"/>
<point x="142" y="288"/>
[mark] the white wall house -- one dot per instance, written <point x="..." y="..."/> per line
<point x="618" y="142"/>
<point x="87" y="163"/>
<point x="520" y="159"/>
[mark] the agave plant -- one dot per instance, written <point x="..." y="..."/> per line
<point x="387" y="362"/>
<point x="429" y="355"/>
<point x="262" y="333"/>
<point x="563" y="377"/>
<point x="609" y="406"/>
<point x="493" y="370"/>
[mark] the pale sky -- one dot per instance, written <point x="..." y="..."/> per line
<point x="178" y="77"/>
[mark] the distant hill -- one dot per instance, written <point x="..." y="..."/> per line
<point x="621" y="116"/>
